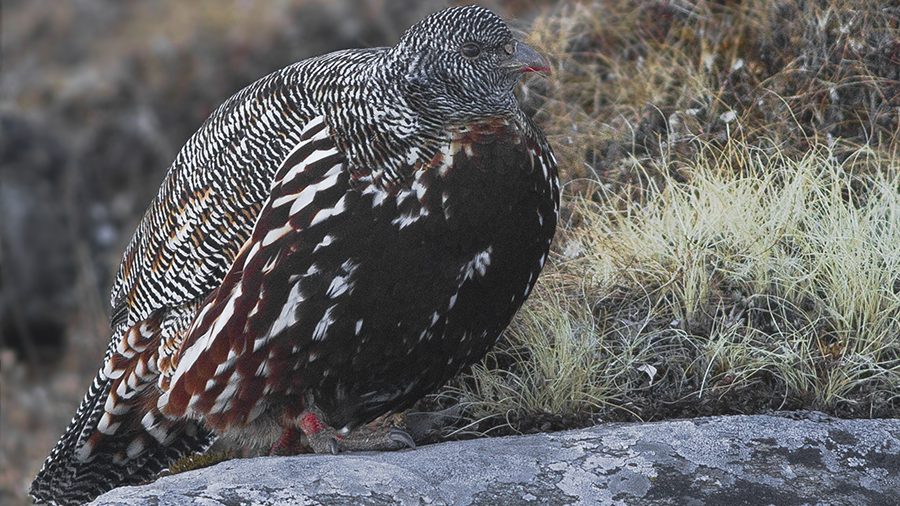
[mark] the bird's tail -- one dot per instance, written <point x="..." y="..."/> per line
<point x="118" y="437"/>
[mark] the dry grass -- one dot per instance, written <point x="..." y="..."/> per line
<point x="640" y="77"/>
<point x="733" y="217"/>
<point x="756" y="284"/>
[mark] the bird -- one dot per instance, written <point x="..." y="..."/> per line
<point x="336" y="241"/>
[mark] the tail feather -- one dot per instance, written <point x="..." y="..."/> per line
<point x="118" y="437"/>
<point x="60" y="467"/>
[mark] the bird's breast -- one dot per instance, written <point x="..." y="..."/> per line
<point x="475" y="181"/>
<point x="444" y="261"/>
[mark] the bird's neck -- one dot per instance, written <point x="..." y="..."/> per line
<point x="377" y="128"/>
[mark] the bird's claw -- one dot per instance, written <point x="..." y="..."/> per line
<point x="323" y="439"/>
<point x="333" y="446"/>
<point x="401" y="437"/>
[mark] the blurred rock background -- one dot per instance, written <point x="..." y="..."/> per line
<point x="96" y="98"/>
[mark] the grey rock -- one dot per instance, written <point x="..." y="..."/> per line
<point x="721" y="460"/>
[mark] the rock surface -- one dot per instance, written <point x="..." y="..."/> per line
<point x="798" y="459"/>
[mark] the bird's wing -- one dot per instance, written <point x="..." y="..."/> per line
<point x="237" y="320"/>
<point x="212" y="195"/>
<point x="188" y="237"/>
<point x="208" y="202"/>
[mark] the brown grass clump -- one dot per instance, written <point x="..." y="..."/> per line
<point x="637" y="78"/>
<point x="732" y="221"/>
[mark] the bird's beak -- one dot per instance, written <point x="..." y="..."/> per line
<point x="526" y="59"/>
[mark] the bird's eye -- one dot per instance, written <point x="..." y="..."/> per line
<point x="470" y="50"/>
<point x="509" y="48"/>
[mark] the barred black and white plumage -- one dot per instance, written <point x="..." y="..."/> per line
<point x="337" y="240"/>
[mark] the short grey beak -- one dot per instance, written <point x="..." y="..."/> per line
<point x="526" y="59"/>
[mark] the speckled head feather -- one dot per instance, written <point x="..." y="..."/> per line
<point x="452" y="65"/>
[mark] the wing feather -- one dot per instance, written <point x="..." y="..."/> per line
<point x="208" y="202"/>
<point x="205" y="379"/>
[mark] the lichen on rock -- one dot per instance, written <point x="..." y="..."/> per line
<point x="719" y="460"/>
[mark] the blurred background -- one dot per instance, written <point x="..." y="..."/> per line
<point x="96" y="98"/>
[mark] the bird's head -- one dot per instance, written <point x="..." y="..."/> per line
<point x="461" y="64"/>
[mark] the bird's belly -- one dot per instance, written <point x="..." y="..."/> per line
<point x="422" y="302"/>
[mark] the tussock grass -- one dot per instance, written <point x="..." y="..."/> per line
<point x="751" y="281"/>
<point x="730" y="240"/>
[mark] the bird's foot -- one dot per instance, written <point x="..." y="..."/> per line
<point x="402" y="430"/>
<point x="290" y="443"/>
<point x="431" y="426"/>
<point x="384" y="434"/>
<point x="387" y="433"/>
